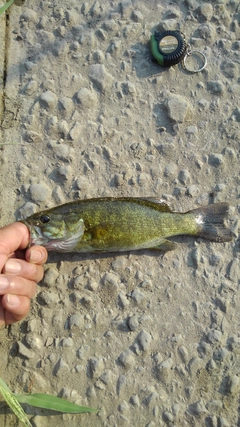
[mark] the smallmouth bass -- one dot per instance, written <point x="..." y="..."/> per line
<point x="123" y="224"/>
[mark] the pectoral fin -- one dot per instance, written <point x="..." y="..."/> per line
<point x="165" y="246"/>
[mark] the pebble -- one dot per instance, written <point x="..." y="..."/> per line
<point x="197" y="409"/>
<point x="83" y="352"/>
<point x="184" y="177"/>
<point x="144" y="340"/>
<point x="50" y="276"/>
<point x="121" y="383"/>
<point x="139" y="297"/>
<point x="30" y="15"/>
<point x="34" y="341"/>
<point x="177" y="108"/>
<point x="233" y="270"/>
<point x="48" y="298"/>
<point x="87" y="98"/>
<point x="24" y="351"/>
<point x="164" y="372"/>
<point x="205" y="12"/>
<point x="27" y="209"/>
<point x="61" y="368"/>
<point x="75" y="320"/>
<point x="133" y="322"/>
<point x="48" y="100"/>
<point x="96" y="367"/>
<point x="100" y="77"/>
<point x="215" y="87"/>
<point x="193" y="191"/>
<point x="31" y="87"/>
<point x="229" y="69"/>
<point x="134" y="400"/>
<point x="75" y="131"/>
<point x="127" y="359"/>
<point x="216" y="159"/>
<point x="40" y="192"/>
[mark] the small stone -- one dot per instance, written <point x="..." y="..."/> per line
<point x="34" y="341"/>
<point x="60" y="368"/>
<point x="50" y="276"/>
<point x="134" y="400"/>
<point x="216" y="159"/>
<point x="40" y="193"/>
<point x="83" y="352"/>
<point x="144" y="340"/>
<point x="123" y="300"/>
<point x="164" y="372"/>
<point x="205" y="12"/>
<point x="60" y="47"/>
<point x="193" y="191"/>
<point x="233" y="384"/>
<point x="168" y="417"/>
<point x="30" y="87"/>
<point x="48" y="100"/>
<point x="197" y="409"/>
<point x="87" y="98"/>
<point x="233" y="270"/>
<point x="215" y="87"/>
<point x="138" y="297"/>
<point x="229" y="69"/>
<point x="75" y="320"/>
<point x="192" y="130"/>
<point x="183" y="353"/>
<point x="111" y="279"/>
<point x="66" y="342"/>
<point x="137" y="16"/>
<point x="96" y="367"/>
<point x="30" y="15"/>
<point x="127" y="359"/>
<point x="177" y="108"/>
<point x="121" y="383"/>
<point x="171" y="170"/>
<point x="214" y="336"/>
<point x="24" y="351"/>
<point x="27" y="209"/>
<point x="133" y="322"/>
<point x="75" y="132"/>
<point x="184" y="177"/>
<point x="100" y="77"/>
<point x="48" y="298"/>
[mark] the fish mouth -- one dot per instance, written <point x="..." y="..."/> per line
<point x="36" y="237"/>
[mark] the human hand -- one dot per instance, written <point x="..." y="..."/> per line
<point x="19" y="272"/>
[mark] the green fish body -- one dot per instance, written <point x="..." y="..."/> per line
<point x="123" y="224"/>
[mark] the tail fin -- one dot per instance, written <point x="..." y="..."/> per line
<point x="210" y="220"/>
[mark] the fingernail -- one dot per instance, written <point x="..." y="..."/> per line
<point x="35" y="255"/>
<point x="12" y="266"/>
<point x="13" y="300"/>
<point x="4" y="282"/>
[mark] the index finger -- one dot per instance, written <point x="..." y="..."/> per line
<point x="12" y="237"/>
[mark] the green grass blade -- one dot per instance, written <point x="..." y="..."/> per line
<point x="47" y="401"/>
<point x="13" y="403"/>
<point x="6" y="6"/>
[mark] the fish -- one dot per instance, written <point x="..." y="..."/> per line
<point x="108" y="224"/>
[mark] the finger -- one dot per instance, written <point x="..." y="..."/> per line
<point x="16" y="285"/>
<point x="19" y="267"/>
<point x="36" y="255"/>
<point x="12" y="237"/>
<point x="15" y="308"/>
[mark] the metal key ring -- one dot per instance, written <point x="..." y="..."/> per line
<point x="189" y="53"/>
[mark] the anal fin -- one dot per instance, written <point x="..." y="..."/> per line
<point x="166" y="245"/>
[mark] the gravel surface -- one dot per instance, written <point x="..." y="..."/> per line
<point x="150" y="340"/>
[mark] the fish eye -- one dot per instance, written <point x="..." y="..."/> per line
<point x="44" y="219"/>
